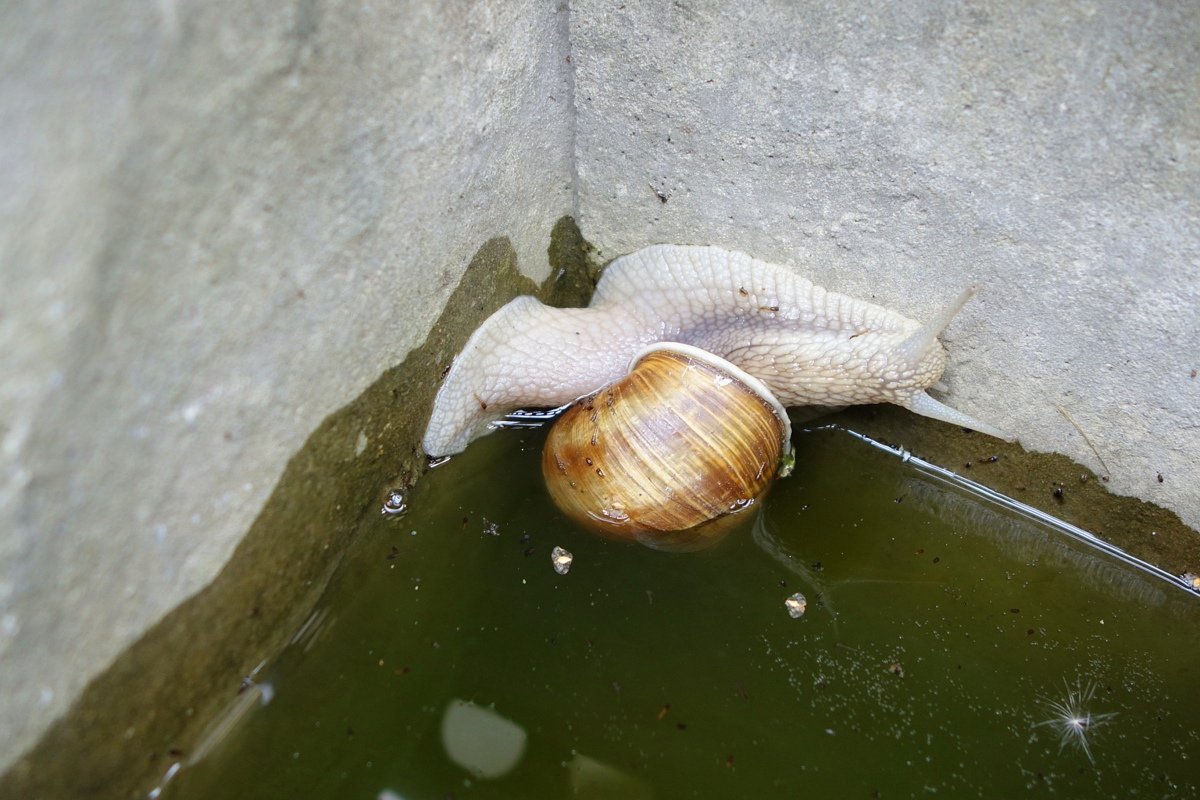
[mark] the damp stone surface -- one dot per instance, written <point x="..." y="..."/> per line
<point x="220" y="222"/>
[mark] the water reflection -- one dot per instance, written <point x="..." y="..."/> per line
<point x="480" y="740"/>
<point x="1030" y="544"/>
<point x="594" y="780"/>
<point x="974" y="493"/>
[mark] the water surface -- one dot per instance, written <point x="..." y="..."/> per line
<point x="942" y="639"/>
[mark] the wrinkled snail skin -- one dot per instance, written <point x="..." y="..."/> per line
<point x="808" y="345"/>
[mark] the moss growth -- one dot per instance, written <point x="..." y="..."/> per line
<point x="574" y="271"/>
<point x="148" y="709"/>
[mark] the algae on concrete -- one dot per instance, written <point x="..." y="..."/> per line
<point x="185" y="669"/>
<point x="219" y="222"/>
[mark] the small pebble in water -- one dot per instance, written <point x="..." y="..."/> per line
<point x="394" y="503"/>
<point x="561" y="559"/>
<point x="796" y="605"/>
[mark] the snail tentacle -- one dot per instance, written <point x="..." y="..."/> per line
<point x="921" y="403"/>
<point x="914" y="348"/>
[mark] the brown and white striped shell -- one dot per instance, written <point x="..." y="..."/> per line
<point x="672" y="454"/>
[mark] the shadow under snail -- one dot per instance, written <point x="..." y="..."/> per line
<point x="801" y="344"/>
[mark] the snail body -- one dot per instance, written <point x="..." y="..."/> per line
<point x="809" y="346"/>
<point x="672" y="454"/>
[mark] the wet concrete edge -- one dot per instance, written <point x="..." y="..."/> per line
<point x="1049" y="482"/>
<point x="148" y="709"/>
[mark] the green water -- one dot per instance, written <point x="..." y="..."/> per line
<point x="939" y="632"/>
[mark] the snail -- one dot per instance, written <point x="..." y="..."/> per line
<point x="809" y="346"/>
<point x="671" y="454"/>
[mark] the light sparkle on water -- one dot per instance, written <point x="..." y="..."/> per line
<point x="1072" y="718"/>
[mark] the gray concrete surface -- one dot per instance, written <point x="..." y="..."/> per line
<point x="897" y="152"/>
<point x="219" y="222"/>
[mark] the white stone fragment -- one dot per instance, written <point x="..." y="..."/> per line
<point x="561" y="559"/>
<point x="796" y="605"/>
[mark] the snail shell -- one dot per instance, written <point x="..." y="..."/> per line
<point x="671" y="454"/>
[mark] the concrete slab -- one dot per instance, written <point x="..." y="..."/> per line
<point x="1049" y="153"/>
<point x="219" y="222"/>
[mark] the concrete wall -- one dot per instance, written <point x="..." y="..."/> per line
<point x="899" y="151"/>
<point x="219" y="221"/>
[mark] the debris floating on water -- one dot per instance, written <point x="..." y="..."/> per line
<point x="796" y="605"/>
<point x="394" y="503"/>
<point x="561" y="559"/>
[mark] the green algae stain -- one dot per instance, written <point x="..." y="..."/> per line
<point x="148" y="709"/>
